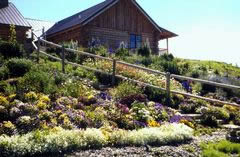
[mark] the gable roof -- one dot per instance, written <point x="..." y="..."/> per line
<point x="87" y="15"/>
<point x="79" y="18"/>
<point x="10" y="15"/>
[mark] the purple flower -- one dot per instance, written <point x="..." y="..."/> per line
<point x="125" y="109"/>
<point x="159" y="106"/>
<point x="175" y="119"/>
<point x="139" y="124"/>
<point x="104" y="96"/>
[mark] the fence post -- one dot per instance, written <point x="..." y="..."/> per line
<point x="114" y="72"/>
<point x="168" y="77"/>
<point x="63" y="59"/>
<point x="38" y="50"/>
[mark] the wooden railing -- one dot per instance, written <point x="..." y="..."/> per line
<point x="114" y="75"/>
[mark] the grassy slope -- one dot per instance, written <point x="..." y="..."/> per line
<point x="212" y="66"/>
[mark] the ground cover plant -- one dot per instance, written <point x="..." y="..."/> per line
<point x="58" y="140"/>
<point x="223" y="148"/>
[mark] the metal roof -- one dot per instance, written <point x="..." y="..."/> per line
<point x="78" y="18"/>
<point x="38" y="25"/>
<point x="11" y="15"/>
<point x="87" y="15"/>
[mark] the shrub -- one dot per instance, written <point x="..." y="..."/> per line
<point x="125" y="89"/>
<point x="167" y="57"/>
<point x="10" y="49"/>
<point x="77" y="89"/>
<point x="155" y="94"/>
<point x="210" y="115"/>
<point x="144" y="51"/>
<point x="6" y="88"/>
<point x="37" y="81"/>
<point x="122" y="52"/>
<point x="4" y="73"/>
<point x="18" y="67"/>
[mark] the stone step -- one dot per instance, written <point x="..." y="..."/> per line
<point x="220" y="122"/>
<point x="230" y="127"/>
<point x="192" y="116"/>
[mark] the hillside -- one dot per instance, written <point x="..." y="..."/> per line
<point x="58" y="113"/>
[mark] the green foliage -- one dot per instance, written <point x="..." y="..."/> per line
<point x="155" y="94"/>
<point x="76" y="89"/>
<point x="6" y="88"/>
<point x="144" y="51"/>
<point x="12" y="37"/>
<point x="37" y="81"/>
<point x="4" y="73"/>
<point x="122" y="53"/>
<point x="124" y="89"/>
<point x="211" y="114"/>
<point x="223" y="148"/>
<point x="10" y="50"/>
<point x="18" y="67"/>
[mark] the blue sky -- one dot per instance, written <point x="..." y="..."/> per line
<point x="207" y="29"/>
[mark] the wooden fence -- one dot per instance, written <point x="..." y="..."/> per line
<point x="114" y="75"/>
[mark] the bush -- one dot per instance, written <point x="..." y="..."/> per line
<point x="211" y="114"/>
<point x="4" y="73"/>
<point x="18" y="67"/>
<point x="37" y="81"/>
<point x="125" y="89"/>
<point x="6" y="88"/>
<point x="144" y="51"/>
<point x="154" y="94"/>
<point x="10" y="49"/>
<point x="167" y="57"/>
<point x="122" y="52"/>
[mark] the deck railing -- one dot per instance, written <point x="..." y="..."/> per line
<point x="114" y="75"/>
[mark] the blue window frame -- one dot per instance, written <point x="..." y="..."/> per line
<point x="135" y="41"/>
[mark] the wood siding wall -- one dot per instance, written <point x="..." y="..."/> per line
<point x="117" y="23"/>
<point x="20" y="33"/>
<point x="112" y="27"/>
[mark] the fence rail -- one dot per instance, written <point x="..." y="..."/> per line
<point x="168" y="76"/>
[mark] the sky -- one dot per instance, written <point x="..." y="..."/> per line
<point x="207" y="29"/>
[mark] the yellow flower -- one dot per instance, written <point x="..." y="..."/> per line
<point x="9" y="125"/>
<point x="153" y="123"/>
<point x="3" y="101"/>
<point x="186" y="122"/>
<point x="31" y="96"/>
<point x="41" y="105"/>
<point x="44" y="99"/>
<point x="11" y="97"/>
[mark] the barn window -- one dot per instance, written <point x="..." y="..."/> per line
<point x="135" y="41"/>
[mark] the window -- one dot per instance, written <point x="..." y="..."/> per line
<point x="135" y="41"/>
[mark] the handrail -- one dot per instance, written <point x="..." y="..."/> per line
<point x="167" y="75"/>
<point x="204" y="98"/>
<point x="205" y="81"/>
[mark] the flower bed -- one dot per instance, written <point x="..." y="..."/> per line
<point x="58" y="140"/>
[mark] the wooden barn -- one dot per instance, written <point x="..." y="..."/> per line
<point x="111" y="23"/>
<point x="9" y="15"/>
